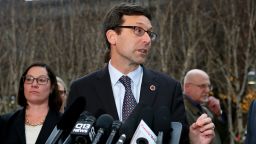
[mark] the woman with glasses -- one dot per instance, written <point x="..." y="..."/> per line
<point x="40" y="101"/>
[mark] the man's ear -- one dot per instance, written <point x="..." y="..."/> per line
<point x="111" y="36"/>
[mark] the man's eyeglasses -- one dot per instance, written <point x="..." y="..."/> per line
<point x="139" y="31"/>
<point x="203" y="86"/>
<point x="41" y="80"/>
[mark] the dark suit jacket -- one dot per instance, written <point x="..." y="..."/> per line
<point x="13" y="125"/>
<point x="251" y="125"/>
<point x="96" y="89"/>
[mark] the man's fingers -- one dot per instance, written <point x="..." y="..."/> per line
<point x="209" y="132"/>
<point x="206" y="127"/>
<point x="203" y="120"/>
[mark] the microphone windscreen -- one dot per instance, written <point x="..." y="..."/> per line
<point x="130" y="124"/>
<point x="71" y="115"/>
<point x="104" y="121"/>
<point x="162" y="119"/>
<point x="147" y="115"/>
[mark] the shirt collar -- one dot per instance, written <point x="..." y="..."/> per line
<point x="116" y="74"/>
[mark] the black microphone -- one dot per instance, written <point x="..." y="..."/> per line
<point x="147" y="115"/>
<point x="130" y="124"/>
<point x="83" y="131"/>
<point x="162" y="119"/>
<point x="115" y="127"/>
<point x="67" y="121"/>
<point x="104" y="123"/>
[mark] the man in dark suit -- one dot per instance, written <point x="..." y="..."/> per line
<point x="128" y="34"/>
<point x="251" y="124"/>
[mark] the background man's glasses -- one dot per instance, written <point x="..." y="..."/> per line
<point x="139" y="31"/>
<point x="41" y="80"/>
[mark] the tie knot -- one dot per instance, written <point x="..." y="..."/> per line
<point x="126" y="81"/>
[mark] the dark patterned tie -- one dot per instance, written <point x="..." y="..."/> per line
<point x="129" y="102"/>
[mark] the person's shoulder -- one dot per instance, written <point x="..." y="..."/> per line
<point x="10" y="115"/>
<point x="253" y="105"/>
<point x="254" y="102"/>
<point x="88" y="77"/>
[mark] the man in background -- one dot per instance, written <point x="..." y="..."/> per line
<point x="196" y="89"/>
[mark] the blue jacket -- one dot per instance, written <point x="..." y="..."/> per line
<point x="251" y="125"/>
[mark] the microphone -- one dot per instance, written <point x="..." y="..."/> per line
<point x="121" y="139"/>
<point x="67" y="121"/>
<point x="115" y="127"/>
<point x="83" y="130"/>
<point x="104" y="123"/>
<point x="160" y="136"/>
<point x="147" y="116"/>
<point x="162" y="121"/>
<point x="141" y="140"/>
<point x="143" y="133"/>
<point x="129" y="125"/>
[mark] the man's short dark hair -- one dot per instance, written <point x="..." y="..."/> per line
<point x="114" y="16"/>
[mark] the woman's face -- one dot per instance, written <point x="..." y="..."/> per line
<point x="37" y="86"/>
<point x="62" y="93"/>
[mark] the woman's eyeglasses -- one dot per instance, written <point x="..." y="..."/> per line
<point x="41" y="80"/>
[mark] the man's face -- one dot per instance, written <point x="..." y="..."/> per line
<point x="198" y="89"/>
<point x="129" y="47"/>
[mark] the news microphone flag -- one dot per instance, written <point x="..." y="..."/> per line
<point x="143" y="131"/>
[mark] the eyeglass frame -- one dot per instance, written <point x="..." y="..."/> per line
<point x="151" y="34"/>
<point x="37" y="79"/>
<point x="203" y="86"/>
<point x="62" y="92"/>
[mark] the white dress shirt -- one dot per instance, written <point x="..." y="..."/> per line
<point x="119" y="89"/>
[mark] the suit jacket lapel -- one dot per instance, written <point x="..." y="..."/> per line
<point x="50" y="122"/>
<point x="149" y="87"/>
<point x="105" y="93"/>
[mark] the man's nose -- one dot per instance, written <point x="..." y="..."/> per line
<point x="146" y="38"/>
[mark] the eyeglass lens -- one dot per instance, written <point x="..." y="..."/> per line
<point x="40" y="80"/>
